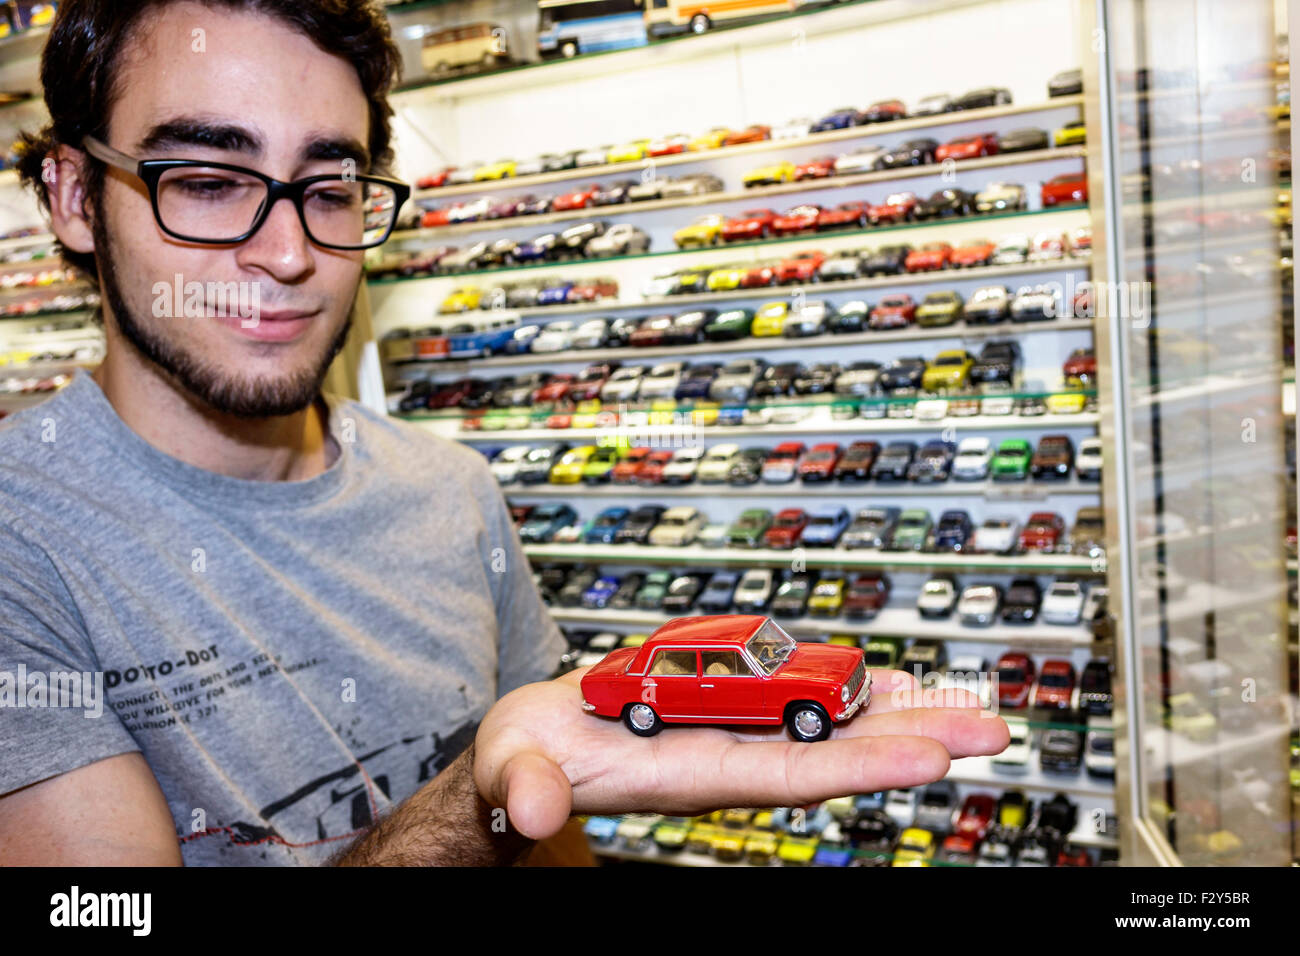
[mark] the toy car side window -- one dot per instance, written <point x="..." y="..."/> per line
<point x="674" y="664"/>
<point x="725" y="664"/>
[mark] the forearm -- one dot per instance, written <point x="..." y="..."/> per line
<point x="445" y="823"/>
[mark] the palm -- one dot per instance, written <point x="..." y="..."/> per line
<point x="537" y="744"/>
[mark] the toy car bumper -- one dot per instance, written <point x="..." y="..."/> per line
<point x="588" y="707"/>
<point x="862" y="699"/>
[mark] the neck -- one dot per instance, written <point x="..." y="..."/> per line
<point x="292" y="447"/>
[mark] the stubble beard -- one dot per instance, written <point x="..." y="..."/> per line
<point x="210" y="384"/>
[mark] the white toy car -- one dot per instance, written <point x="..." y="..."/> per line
<point x="754" y="591"/>
<point x="662" y="380"/>
<point x="505" y="466"/>
<point x="997" y="536"/>
<point x="735" y="380"/>
<point x="590" y="334"/>
<point x="681" y="469"/>
<point x="979" y="605"/>
<point x="998" y="197"/>
<point x="1016" y="758"/>
<point x="971" y="463"/>
<point x="862" y="161"/>
<point x="1063" y="603"/>
<point x="555" y="337"/>
<point x="900" y="805"/>
<point x="677" y="528"/>
<point x="1087" y="460"/>
<point x="937" y="598"/>
<point x="1099" y="748"/>
<point x="1011" y="250"/>
<point x="716" y="465"/>
<point x="795" y="129"/>
<point x="623" y="385"/>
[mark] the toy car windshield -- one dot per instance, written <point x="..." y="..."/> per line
<point x="770" y="646"/>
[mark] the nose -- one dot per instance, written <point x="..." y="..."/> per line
<point x="281" y="247"/>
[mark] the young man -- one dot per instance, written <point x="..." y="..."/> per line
<point x="303" y="613"/>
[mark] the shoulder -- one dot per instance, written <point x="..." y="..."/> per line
<point x="386" y="436"/>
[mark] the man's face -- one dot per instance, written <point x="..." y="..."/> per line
<point x="207" y="84"/>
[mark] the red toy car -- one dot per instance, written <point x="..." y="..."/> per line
<point x="1071" y="187"/>
<point x="977" y="253"/>
<point x="559" y="420"/>
<point x="651" y="331"/>
<point x="652" y="469"/>
<point x="751" y="224"/>
<point x="1015" y="678"/>
<point x="1055" y="688"/>
<point x="436" y="217"/>
<point x="763" y="274"/>
<point x="845" y="215"/>
<point x="894" y="311"/>
<point x="579" y="198"/>
<point x="799" y="219"/>
<point x="628" y="470"/>
<point x="591" y="290"/>
<point x="786" y="528"/>
<point x="818" y="168"/>
<point x="729" y="669"/>
<point x="931" y="256"/>
<point x="752" y="134"/>
<point x="1080" y="369"/>
<point x="884" y="111"/>
<point x="819" y="463"/>
<point x="975" y="816"/>
<point x="555" y="389"/>
<point x="866" y="595"/>
<point x="801" y="267"/>
<point x="968" y="147"/>
<point x="437" y="179"/>
<point x="1042" y="532"/>
<point x="897" y="207"/>
<point x="590" y="382"/>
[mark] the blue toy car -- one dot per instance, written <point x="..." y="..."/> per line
<point x="556" y="294"/>
<point x="953" y="531"/>
<point x="481" y="342"/>
<point x="601" y="829"/>
<point x="544" y="521"/>
<point x="605" y="526"/>
<point x="840" y="119"/>
<point x="598" y="595"/>
<point x="825" y="525"/>
<point x="731" y="415"/>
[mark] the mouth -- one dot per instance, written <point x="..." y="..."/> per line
<point x="270" y="326"/>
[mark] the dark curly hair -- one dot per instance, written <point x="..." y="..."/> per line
<point x="79" y="69"/>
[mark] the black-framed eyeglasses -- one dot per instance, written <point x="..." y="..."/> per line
<point x="220" y="204"/>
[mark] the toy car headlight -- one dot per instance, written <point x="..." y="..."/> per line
<point x="844" y="693"/>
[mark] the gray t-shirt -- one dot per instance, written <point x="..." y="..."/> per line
<point x="291" y="658"/>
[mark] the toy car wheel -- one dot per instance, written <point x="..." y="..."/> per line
<point x="569" y="49"/>
<point x="642" y="720"/>
<point x="808" y="721"/>
<point x="700" y="23"/>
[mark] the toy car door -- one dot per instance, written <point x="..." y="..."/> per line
<point x="729" y="687"/>
<point x="671" y="684"/>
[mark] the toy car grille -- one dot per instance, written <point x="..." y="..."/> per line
<point x="859" y="675"/>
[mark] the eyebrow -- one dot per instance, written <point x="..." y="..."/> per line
<point x="194" y="131"/>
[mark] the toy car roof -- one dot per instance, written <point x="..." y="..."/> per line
<point x="714" y="629"/>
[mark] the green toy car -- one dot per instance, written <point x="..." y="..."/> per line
<point x="1011" y="463"/>
<point x="913" y="530"/>
<point x="882" y="652"/>
<point x="651" y="595"/>
<point x="747" y="531"/>
<point x="731" y="324"/>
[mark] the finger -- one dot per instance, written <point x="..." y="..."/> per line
<point x="752" y="774"/>
<point x="962" y="732"/>
<point x="899" y="690"/>
<point x="538" y="797"/>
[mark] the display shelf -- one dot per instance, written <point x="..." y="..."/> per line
<point x="696" y="556"/>
<point x="889" y="622"/>
<point x="768" y="345"/>
<point x="45" y="313"/>
<point x="23" y="242"/>
<point x="983" y="490"/>
<point x="978" y="771"/>
<point x="756" y="194"/>
<point x="649" y="434"/>
<point x="759" y="245"/>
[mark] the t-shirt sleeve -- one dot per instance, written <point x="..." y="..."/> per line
<point x="530" y="641"/>
<point x="53" y="714"/>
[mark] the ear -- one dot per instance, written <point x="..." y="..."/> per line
<point x="63" y="173"/>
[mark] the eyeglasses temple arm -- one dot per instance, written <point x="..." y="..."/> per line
<point x="108" y="154"/>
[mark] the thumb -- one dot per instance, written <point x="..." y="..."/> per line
<point x="538" y="797"/>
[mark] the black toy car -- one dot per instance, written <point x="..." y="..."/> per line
<point x="625" y="596"/>
<point x="946" y="202"/>
<point x="902" y="373"/>
<point x="933" y="462"/>
<point x="983" y="97"/>
<point x="818" y="379"/>
<point x="1062" y="750"/>
<point x="1095" y="695"/>
<point x="850" y="317"/>
<point x="777" y="380"/>
<point x="1022" y="600"/>
<point x="915" y="152"/>
<point x="611" y="193"/>
<point x="792" y="596"/>
<point x="682" y="593"/>
<point x="1023" y="139"/>
<point x="639" y="524"/>
<point x="998" y="362"/>
<point x="886" y="261"/>
<point x="893" y="463"/>
<point x="1065" y="83"/>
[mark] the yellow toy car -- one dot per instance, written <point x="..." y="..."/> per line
<point x="463" y="299"/>
<point x="705" y="413"/>
<point x="1072" y="134"/>
<point x="700" y="837"/>
<point x="728" y="844"/>
<point x="568" y="470"/>
<point x="782" y="172"/>
<point x="797" y="850"/>
<point x="726" y="278"/>
<point x="710" y="140"/>
<point x="634" y="640"/>
<point x="704" y="231"/>
<point x="915" y="848"/>
<point x="770" y="319"/>
<point x="495" y="170"/>
<point x="584" y="413"/>
<point x="950" y="369"/>
<point x="663" y="411"/>
<point x="1065" y="403"/>
<point x="827" y="598"/>
<point x="629" y="152"/>
<point x="761" y="846"/>
<point x="843" y="640"/>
